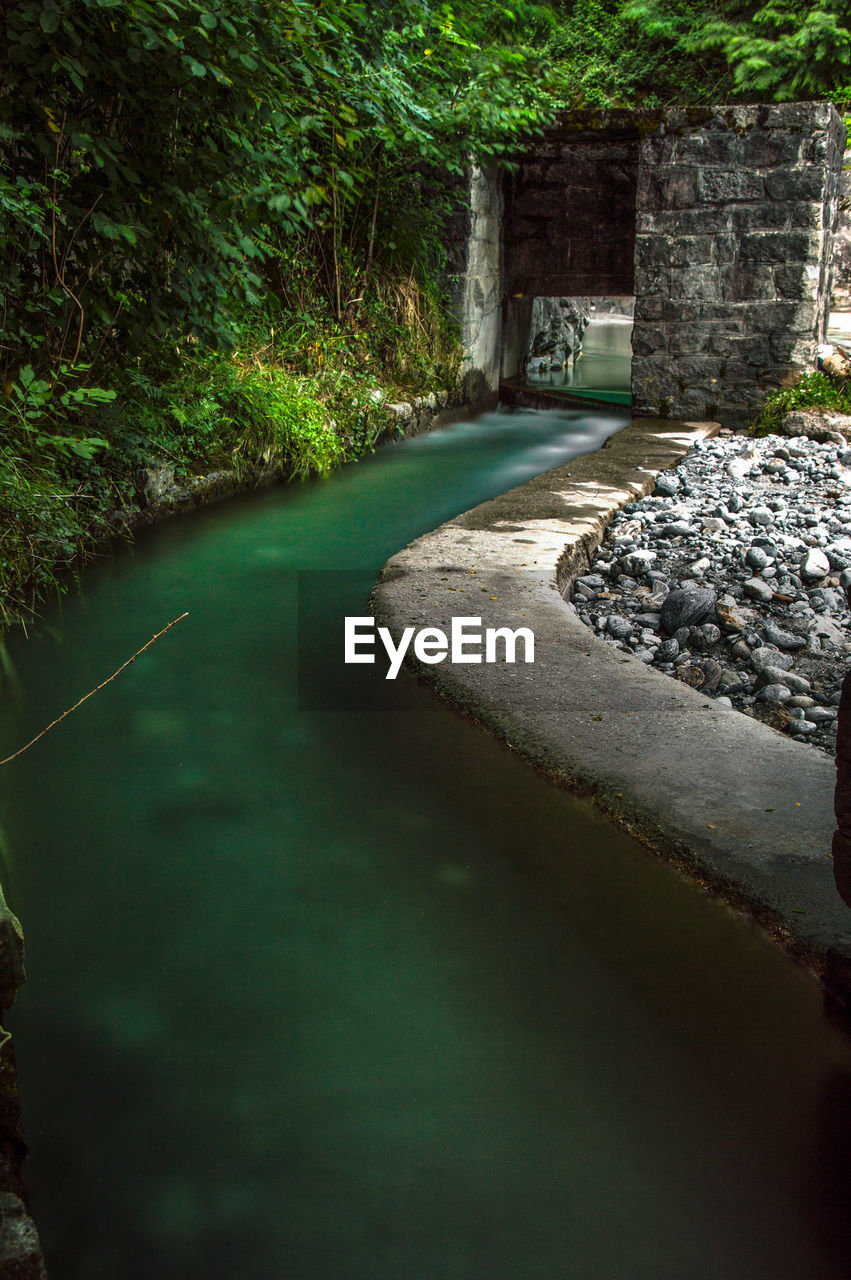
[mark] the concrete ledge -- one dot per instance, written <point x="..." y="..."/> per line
<point x="744" y="809"/>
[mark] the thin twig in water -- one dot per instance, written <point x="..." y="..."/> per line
<point x="102" y="685"/>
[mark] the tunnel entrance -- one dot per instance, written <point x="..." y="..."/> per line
<point x="718" y="220"/>
<point x="568" y="226"/>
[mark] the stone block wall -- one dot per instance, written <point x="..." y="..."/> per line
<point x="735" y="213"/>
<point x="719" y="220"/>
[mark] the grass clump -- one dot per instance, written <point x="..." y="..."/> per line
<point x="812" y="391"/>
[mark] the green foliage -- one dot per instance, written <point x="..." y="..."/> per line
<point x="812" y="391"/>
<point x="35" y="410"/>
<point x="781" y="50"/>
<point x="178" y="175"/>
<point x="254" y="415"/>
<point x="156" y="154"/>
<point x="611" y="53"/>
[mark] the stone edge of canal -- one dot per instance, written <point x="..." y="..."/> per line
<point x="744" y="810"/>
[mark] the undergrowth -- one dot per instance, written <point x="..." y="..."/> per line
<point x="300" y="393"/>
<point x="812" y="391"/>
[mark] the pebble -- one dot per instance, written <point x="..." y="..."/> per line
<point x="774" y="693"/>
<point x="618" y="627"/>
<point x="732" y="576"/>
<point x="816" y="565"/>
<point x="758" y="589"/>
<point x="783" y="639"/>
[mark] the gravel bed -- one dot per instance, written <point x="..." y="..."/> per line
<point x="731" y="577"/>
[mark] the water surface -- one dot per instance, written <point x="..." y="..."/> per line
<point x="332" y="995"/>
<point x="602" y="369"/>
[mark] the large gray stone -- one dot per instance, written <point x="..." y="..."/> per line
<point x="759" y="589"/>
<point x="783" y="639"/>
<point x="774" y="694"/>
<point x="687" y="606"/>
<point x="815" y="565"/>
<point x="765" y="656"/>
<point x="776" y="675"/>
<point x="817" y="425"/>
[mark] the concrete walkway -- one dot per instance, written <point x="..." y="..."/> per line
<point x="743" y="808"/>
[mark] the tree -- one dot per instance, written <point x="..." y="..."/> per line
<point x="784" y="49"/>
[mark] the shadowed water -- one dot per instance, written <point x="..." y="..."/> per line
<point x="332" y="995"/>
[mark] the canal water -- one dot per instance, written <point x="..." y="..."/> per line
<point x="325" y="992"/>
<point x="601" y="371"/>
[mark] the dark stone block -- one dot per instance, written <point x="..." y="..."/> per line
<point x="724" y="248"/>
<point x="804" y="117"/>
<point x="685" y="222"/>
<point x="720" y="186"/>
<point x="764" y="150"/>
<point x="816" y="150"/>
<point x="750" y="348"/>
<point x="652" y="280"/>
<point x="781" y="317"/>
<point x="808" y="214"/>
<point x="734" y="313"/>
<point x="697" y="369"/>
<point x="652" y="251"/>
<point x="745" y="281"/>
<point x="708" y="148"/>
<point x="691" y="339"/>
<point x="793" y="281"/>
<point x="679" y="310"/>
<point x="795" y="184"/>
<point x="698" y="402"/>
<point x="765" y="216"/>
<point x="779" y="247"/>
<point x="696" y="283"/>
<point x="657" y="150"/>
<point x="794" y="349"/>
<point x="745" y="372"/>
<point x="668" y="187"/>
<point x="648" y="309"/>
<point x="648" y="341"/>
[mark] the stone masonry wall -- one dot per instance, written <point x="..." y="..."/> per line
<point x="736" y="208"/>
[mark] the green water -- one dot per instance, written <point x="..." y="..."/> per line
<point x="603" y="368"/>
<point x="347" y="995"/>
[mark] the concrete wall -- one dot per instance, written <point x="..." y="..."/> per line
<point x="719" y="220"/>
<point x="478" y="291"/>
<point x="841" y="263"/>
<point x="736" y="208"/>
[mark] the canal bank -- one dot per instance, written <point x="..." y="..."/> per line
<point x="739" y="806"/>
